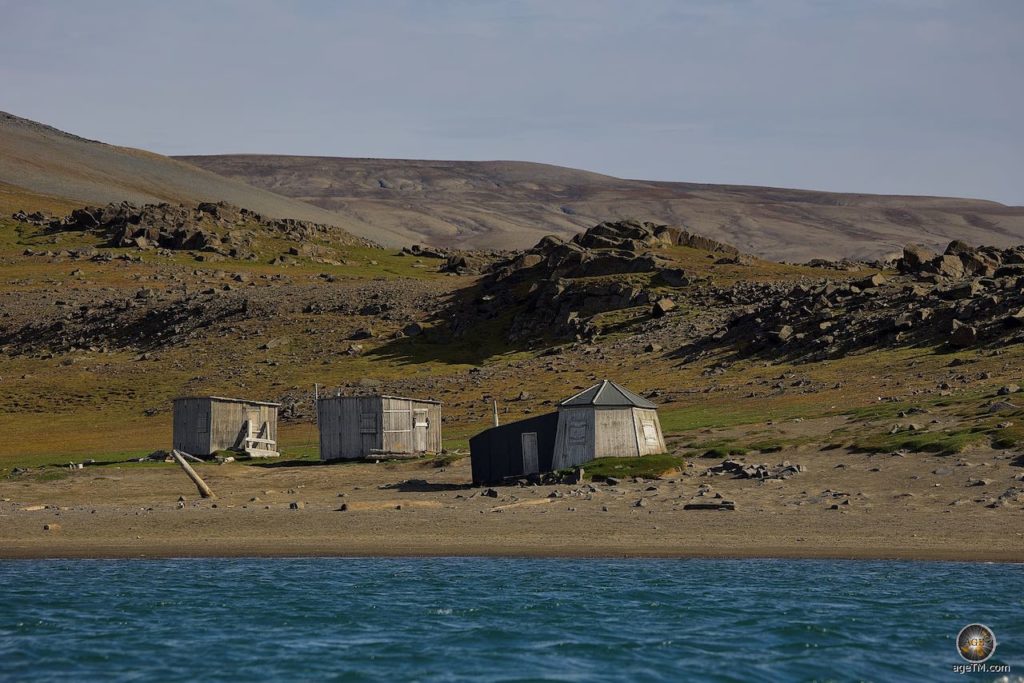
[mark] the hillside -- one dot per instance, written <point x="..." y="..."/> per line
<point x="482" y="205"/>
<point x="506" y="204"/>
<point x="889" y="401"/>
<point x="45" y="168"/>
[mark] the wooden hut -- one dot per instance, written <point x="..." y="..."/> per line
<point x="353" y="427"/>
<point x="606" y="420"/>
<point x="513" y="450"/>
<point x="204" y="425"/>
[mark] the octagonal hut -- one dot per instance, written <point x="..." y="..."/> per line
<point x="606" y="420"/>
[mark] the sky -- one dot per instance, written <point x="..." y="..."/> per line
<point x="887" y="96"/>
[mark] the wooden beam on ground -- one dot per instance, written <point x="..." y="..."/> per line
<point x="204" y="490"/>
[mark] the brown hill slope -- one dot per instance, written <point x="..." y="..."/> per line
<point x="505" y="204"/>
<point x="45" y="168"/>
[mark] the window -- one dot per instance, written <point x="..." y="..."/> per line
<point x="367" y="423"/>
<point x="650" y="433"/>
<point x="577" y="432"/>
<point x="204" y="423"/>
<point x="420" y="418"/>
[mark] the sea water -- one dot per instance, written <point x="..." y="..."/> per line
<point x="453" y="619"/>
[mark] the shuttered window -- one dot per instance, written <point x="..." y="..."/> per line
<point x="367" y="423"/>
<point x="650" y="433"/>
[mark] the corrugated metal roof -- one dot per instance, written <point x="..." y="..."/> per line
<point x="399" y="398"/>
<point x="607" y="393"/>
<point x="229" y="400"/>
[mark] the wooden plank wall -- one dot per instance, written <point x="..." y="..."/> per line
<point x="340" y="422"/>
<point x="397" y="425"/>
<point x="567" y="453"/>
<point x="435" y="441"/>
<point x="497" y="453"/>
<point x="611" y="432"/>
<point x="191" y="431"/>
<point x="398" y="420"/>
<point x="227" y="424"/>
<point x="615" y="433"/>
<point x="641" y="415"/>
<point x="341" y="419"/>
<point x="203" y="426"/>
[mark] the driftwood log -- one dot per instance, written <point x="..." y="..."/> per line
<point x="204" y="490"/>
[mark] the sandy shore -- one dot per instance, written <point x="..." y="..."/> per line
<point x="917" y="507"/>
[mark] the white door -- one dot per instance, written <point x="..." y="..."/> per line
<point x="420" y="425"/>
<point x="531" y="464"/>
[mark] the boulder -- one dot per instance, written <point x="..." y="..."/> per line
<point x="662" y="307"/>
<point x="695" y="241"/>
<point x="948" y="265"/>
<point x="464" y="264"/>
<point x="958" y="247"/>
<point x="674" y="277"/>
<point x="962" y="335"/>
<point x="915" y="256"/>
<point x="978" y="263"/>
<point x="876" y="280"/>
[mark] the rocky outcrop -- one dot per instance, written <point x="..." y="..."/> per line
<point x="553" y="289"/>
<point x="213" y="227"/>
<point x="960" y="260"/>
<point x="963" y="298"/>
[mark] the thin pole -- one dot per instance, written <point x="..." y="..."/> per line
<point x="495" y="403"/>
<point x="204" y="490"/>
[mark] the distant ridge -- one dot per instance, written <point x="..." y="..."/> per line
<point x="45" y="166"/>
<point x="484" y="204"/>
<point x="511" y="204"/>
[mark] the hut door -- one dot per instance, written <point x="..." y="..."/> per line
<point x="253" y="420"/>
<point x="420" y="424"/>
<point x="531" y="463"/>
<point x="367" y="433"/>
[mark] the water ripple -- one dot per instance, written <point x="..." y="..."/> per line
<point x="455" y="619"/>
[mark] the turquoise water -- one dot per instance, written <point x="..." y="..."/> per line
<point x="501" y="619"/>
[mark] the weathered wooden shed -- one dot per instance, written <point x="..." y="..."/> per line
<point x="353" y="427"/>
<point x="513" y="450"/>
<point x="204" y="425"/>
<point x="606" y="420"/>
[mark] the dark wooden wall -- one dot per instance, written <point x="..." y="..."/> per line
<point x="497" y="453"/>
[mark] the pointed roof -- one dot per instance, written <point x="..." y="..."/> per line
<point x="607" y="393"/>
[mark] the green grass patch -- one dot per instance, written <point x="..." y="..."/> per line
<point x="942" y="443"/>
<point x="769" y="446"/>
<point x="1008" y="437"/>
<point x="689" y="418"/>
<point x="647" y="466"/>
